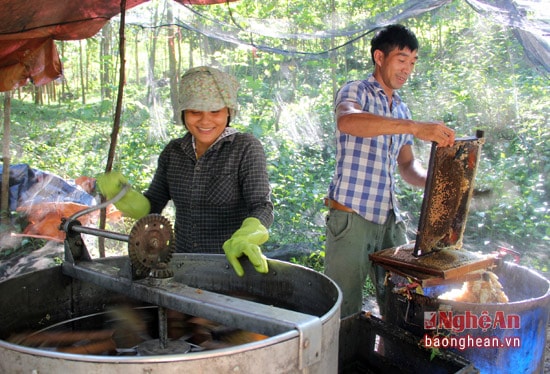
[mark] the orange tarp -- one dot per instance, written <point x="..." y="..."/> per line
<point x="34" y="59"/>
<point x="45" y="218"/>
<point x="28" y="30"/>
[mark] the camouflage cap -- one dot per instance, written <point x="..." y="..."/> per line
<point x="208" y="89"/>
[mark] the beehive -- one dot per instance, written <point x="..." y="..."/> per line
<point x="449" y="188"/>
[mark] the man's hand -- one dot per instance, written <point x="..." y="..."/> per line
<point x="246" y="241"/>
<point x="133" y="204"/>
<point x="434" y="132"/>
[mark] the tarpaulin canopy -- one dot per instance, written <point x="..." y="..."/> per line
<point x="28" y="30"/>
<point x="528" y="20"/>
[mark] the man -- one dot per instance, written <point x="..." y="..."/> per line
<point x="374" y="138"/>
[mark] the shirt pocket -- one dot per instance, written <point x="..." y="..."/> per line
<point x="223" y="189"/>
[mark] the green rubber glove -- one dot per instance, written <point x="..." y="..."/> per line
<point x="133" y="203"/>
<point x="246" y="241"/>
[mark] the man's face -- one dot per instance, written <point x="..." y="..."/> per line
<point x="393" y="70"/>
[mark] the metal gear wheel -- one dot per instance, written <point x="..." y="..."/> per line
<point x="161" y="271"/>
<point x="151" y="244"/>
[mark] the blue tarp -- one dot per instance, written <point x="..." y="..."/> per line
<point x="31" y="186"/>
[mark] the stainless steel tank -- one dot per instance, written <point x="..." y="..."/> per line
<point x="297" y="308"/>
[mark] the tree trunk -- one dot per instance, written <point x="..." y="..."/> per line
<point x="151" y="68"/>
<point x="63" y="81"/>
<point x="191" y="49"/>
<point x="82" y="85"/>
<point x="37" y="93"/>
<point x="333" y="55"/>
<point x="136" y="56"/>
<point x="173" y="74"/>
<point x="105" y="58"/>
<point x="87" y="70"/>
<point x="5" y="198"/>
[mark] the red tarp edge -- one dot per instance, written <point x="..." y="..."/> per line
<point x="28" y="31"/>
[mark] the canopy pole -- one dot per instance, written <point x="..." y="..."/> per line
<point x="6" y="159"/>
<point x="118" y="110"/>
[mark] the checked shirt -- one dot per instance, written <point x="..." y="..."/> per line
<point x="212" y="194"/>
<point x="364" y="179"/>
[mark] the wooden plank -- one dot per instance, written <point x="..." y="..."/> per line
<point x="429" y="280"/>
<point x="446" y="263"/>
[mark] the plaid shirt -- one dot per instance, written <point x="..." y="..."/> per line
<point x="214" y="194"/>
<point x="364" y="179"/>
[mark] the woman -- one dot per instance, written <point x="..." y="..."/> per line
<point x="215" y="175"/>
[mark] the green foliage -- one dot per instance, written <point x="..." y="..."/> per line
<point x="472" y="74"/>
<point x="369" y="290"/>
<point x="299" y="179"/>
<point x="315" y="260"/>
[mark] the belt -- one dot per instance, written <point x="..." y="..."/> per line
<point x="333" y="204"/>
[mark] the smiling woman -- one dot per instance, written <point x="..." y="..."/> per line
<point x="215" y="175"/>
<point x="205" y="127"/>
<point x="208" y="102"/>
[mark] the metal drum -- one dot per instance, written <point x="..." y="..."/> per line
<point x="519" y="326"/>
<point x="297" y="308"/>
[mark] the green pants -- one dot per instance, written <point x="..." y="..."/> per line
<point x="350" y="240"/>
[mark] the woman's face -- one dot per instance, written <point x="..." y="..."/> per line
<point x="206" y="127"/>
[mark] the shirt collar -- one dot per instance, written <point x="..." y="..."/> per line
<point x="395" y="97"/>
<point x="227" y="132"/>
